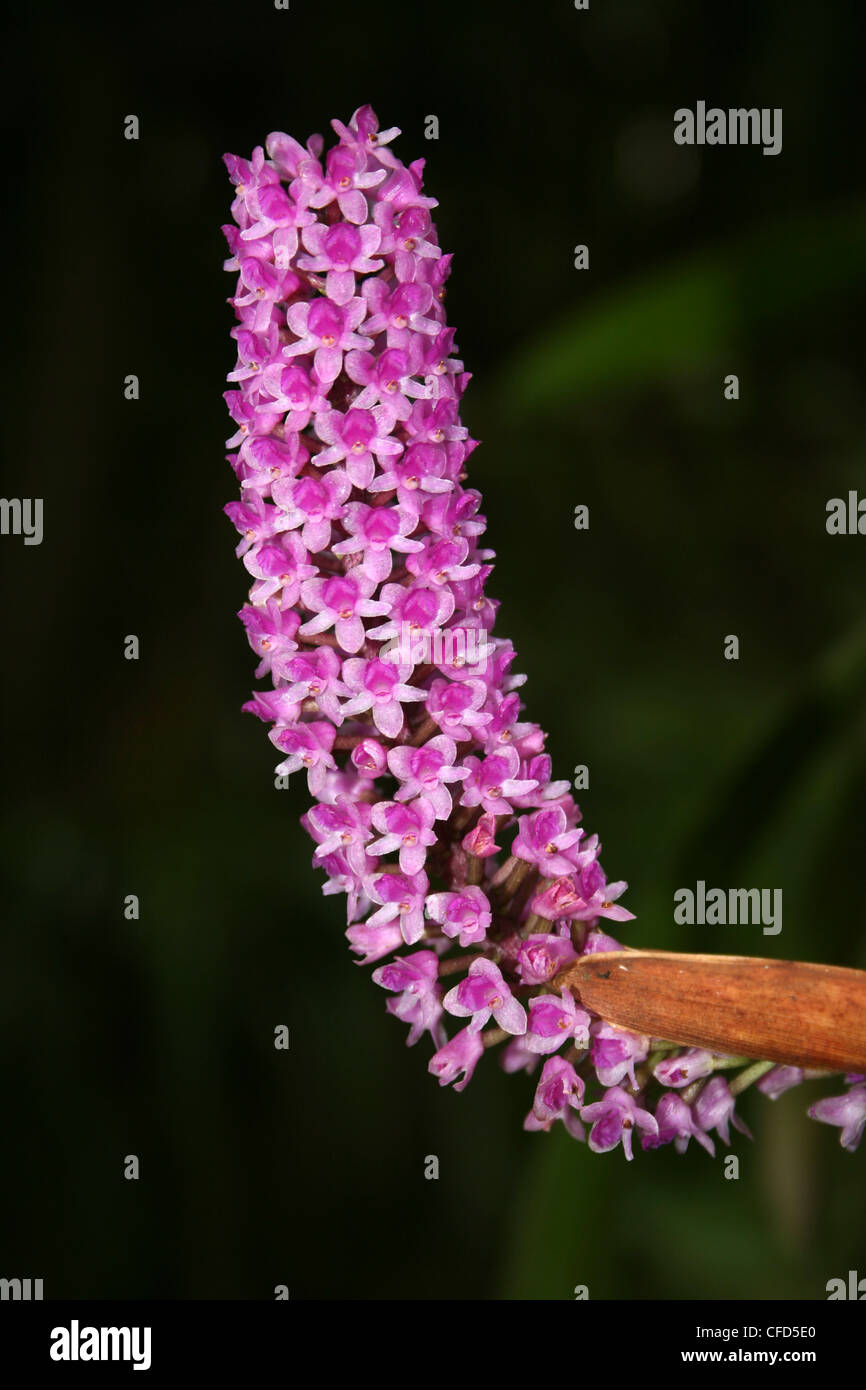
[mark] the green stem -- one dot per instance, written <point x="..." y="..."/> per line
<point x="751" y="1074"/>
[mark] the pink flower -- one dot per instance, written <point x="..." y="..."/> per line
<point x="326" y="331"/>
<point x="555" y="1019"/>
<point x="676" y="1124"/>
<point x="465" y="914"/>
<point x="613" y="1118"/>
<point x="483" y="993"/>
<point x="402" y="898"/>
<point x="541" y="956"/>
<point x="340" y="602"/>
<point x="492" y="780"/>
<point x="280" y="566"/>
<point x="271" y="631"/>
<point x="614" y="1053"/>
<point x="399" y="311"/>
<point x="342" y="250"/>
<point x="545" y="841"/>
<point x="427" y="771"/>
<point x="387" y="380"/>
<point x="373" y="942"/>
<point x="419" y="472"/>
<point x="779" y="1080"/>
<point x="406" y="829"/>
<point x="414" y="979"/>
<point x="559" y="1092"/>
<point x="413" y="608"/>
<point x="374" y="533"/>
<point x="369" y="758"/>
<point x="684" y="1068"/>
<point x="273" y="211"/>
<point x="714" y="1109"/>
<point x="343" y="181"/>
<point x="261" y="461"/>
<point x="313" y="504"/>
<point x="460" y="1055"/>
<point x="597" y="941"/>
<point x="599" y="896"/>
<point x="481" y="840"/>
<point x="365" y="551"/>
<point x="456" y="707"/>
<point x="360" y="437"/>
<point x="296" y="392"/>
<point x="309" y="746"/>
<point x="315" y="675"/>
<point x="380" y="687"/>
<point x="345" y="826"/>
<point x="848" y="1112"/>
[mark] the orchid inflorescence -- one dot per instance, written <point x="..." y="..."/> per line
<point x="435" y="812"/>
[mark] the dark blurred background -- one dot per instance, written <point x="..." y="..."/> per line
<point x="604" y="387"/>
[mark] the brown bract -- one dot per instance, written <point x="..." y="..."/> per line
<point x="792" y="1012"/>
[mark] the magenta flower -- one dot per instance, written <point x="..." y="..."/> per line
<point x="295" y="393"/>
<point x="280" y="567"/>
<point x="360" y="437"/>
<point x="481" y="841"/>
<point x="325" y="331"/>
<point x="271" y="634"/>
<point x="399" y="312"/>
<point x="848" y="1112"/>
<point x="543" y="955"/>
<point x="684" y="1068"/>
<point x="406" y="829"/>
<point x="309" y="746"/>
<point x="255" y="520"/>
<point x="387" y="380"/>
<point x="493" y="780"/>
<point x="313" y="504"/>
<point x="261" y="460"/>
<point x="483" y="993"/>
<point x="340" y="602"/>
<point x="597" y="941"/>
<point x="315" y="675"/>
<point x="414" y="979"/>
<point x="780" y="1080"/>
<point x="613" y="1119"/>
<point x="714" y="1109"/>
<point x="544" y="841"/>
<point x="676" y="1124"/>
<point x="614" y="1052"/>
<point x="415" y="608"/>
<point x="343" y="827"/>
<point x="465" y="914"/>
<point x="369" y="758"/>
<point x="599" y="898"/>
<point x="426" y="771"/>
<point x="460" y="1055"/>
<point x="558" y="1094"/>
<point x="380" y="687"/>
<point x="360" y="537"/>
<point x="374" y="533"/>
<point x="343" y="181"/>
<point x="402" y="899"/>
<point x="555" y="1019"/>
<point x="342" y="251"/>
<point x="457" y="707"/>
<point x="374" y="942"/>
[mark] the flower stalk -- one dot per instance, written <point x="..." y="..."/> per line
<point x="435" y="811"/>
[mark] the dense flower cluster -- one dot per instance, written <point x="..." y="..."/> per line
<point x="435" y="808"/>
